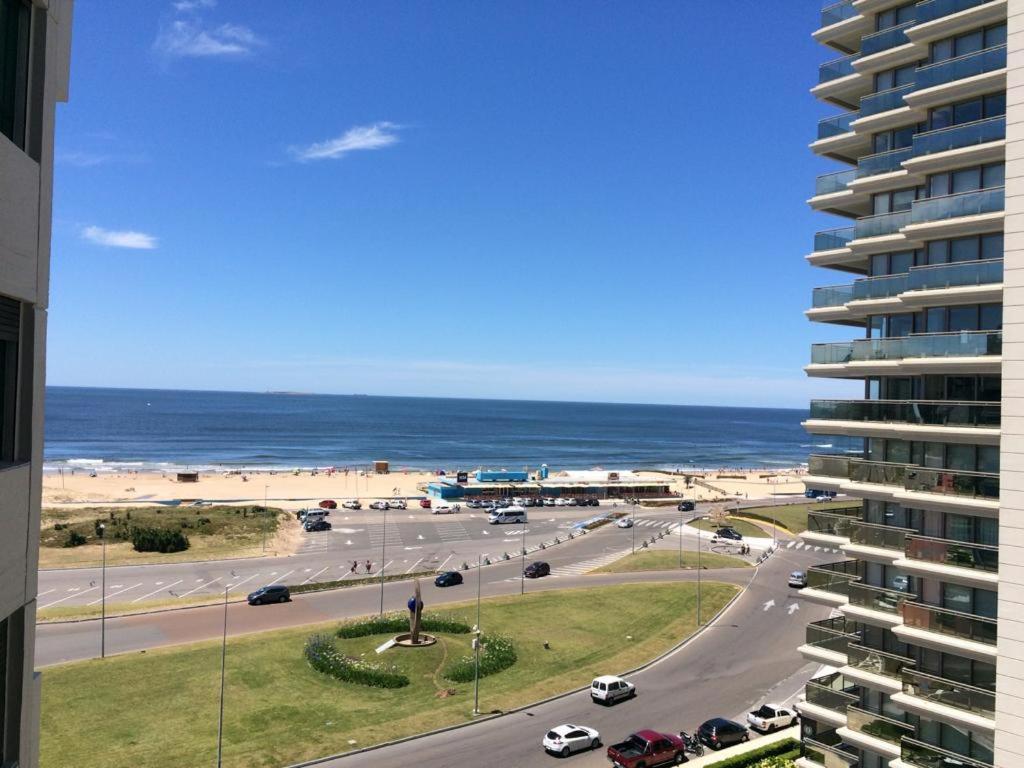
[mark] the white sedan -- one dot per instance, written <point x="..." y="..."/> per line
<point x="624" y="522"/>
<point x="562" y="502"/>
<point x="566" y="739"/>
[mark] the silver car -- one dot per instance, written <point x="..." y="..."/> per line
<point x="798" y="579"/>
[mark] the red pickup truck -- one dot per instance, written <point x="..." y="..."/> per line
<point x="645" y="749"/>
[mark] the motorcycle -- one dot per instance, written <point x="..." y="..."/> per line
<point x="692" y="743"/>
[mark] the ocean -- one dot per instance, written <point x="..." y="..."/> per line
<point x="114" y="429"/>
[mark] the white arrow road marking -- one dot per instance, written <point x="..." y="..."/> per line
<point x="158" y="583"/>
<point x="315" y="574"/>
<point x="186" y="594"/>
<point x="116" y="586"/>
<point x="137" y="599"/>
<point x="419" y="536"/>
<point x="410" y="549"/>
<point x="111" y="594"/>
<point x="769" y="604"/>
<point x="348" y="542"/>
<point x="486" y="533"/>
<point x="792" y="608"/>
<point x="74" y="589"/>
<point x="66" y="597"/>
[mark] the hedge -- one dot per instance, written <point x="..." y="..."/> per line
<point x="398" y="622"/>
<point x="787" y="749"/>
<point x="325" y="658"/>
<point x="158" y="540"/>
<point x="498" y="654"/>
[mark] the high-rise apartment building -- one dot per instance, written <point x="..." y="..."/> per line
<point x="35" y="41"/>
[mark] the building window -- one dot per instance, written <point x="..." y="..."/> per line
<point x="968" y="43"/>
<point x="982" y="108"/>
<point x="15" y="21"/>
<point x="894" y="17"/>
<point x="894" y="78"/>
<point x="10" y="332"/>
<point x="967" y="180"/>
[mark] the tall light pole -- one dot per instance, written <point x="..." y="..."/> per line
<point x="699" y="518"/>
<point x="223" y="660"/>
<point x="383" y="550"/>
<point x="476" y="641"/>
<point x="633" y="521"/>
<point x="265" y="518"/>
<point x="680" y="532"/>
<point x="103" y="593"/>
<point x="522" y="563"/>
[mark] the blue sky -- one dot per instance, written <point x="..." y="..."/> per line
<point x="546" y="200"/>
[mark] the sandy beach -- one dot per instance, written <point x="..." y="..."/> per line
<point x="293" y="490"/>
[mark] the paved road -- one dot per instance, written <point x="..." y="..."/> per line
<point x="748" y="657"/>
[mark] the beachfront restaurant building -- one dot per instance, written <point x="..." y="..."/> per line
<point x="488" y="484"/>
<point x="923" y="655"/>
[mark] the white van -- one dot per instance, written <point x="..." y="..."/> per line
<point x="511" y="514"/>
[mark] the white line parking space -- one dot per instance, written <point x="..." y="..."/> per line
<point x="160" y="589"/>
<point x="118" y="592"/>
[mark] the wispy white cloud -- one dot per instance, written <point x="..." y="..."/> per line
<point x="361" y="137"/>
<point x="92" y="159"/>
<point x="187" y="6"/>
<point x="182" y="38"/>
<point x="113" y="238"/>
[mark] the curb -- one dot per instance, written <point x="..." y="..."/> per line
<point x="646" y="665"/>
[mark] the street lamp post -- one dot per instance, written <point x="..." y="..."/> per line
<point x="699" y="518"/>
<point x="103" y="593"/>
<point x="265" y="518"/>
<point x="223" y="660"/>
<point x="383" y="551"/>
<point x="476" y="641"/>
<point x="680" y="532"/>
<point x="633" y="521"/>
<point x="522" y="563"/>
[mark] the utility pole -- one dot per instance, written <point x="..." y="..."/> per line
<point x="103" y="593"/>
<point x="680" y="532"/>
<point x="265" y="518"/>
<point x="383" y="554"/>
<point x="633" y="520"/>
<point x="223" y="659"/>
<point x="699" y="547"/>
<point x="476" y="641"/>
<point x="522" y="563"/>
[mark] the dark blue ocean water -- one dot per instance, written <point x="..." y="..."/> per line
<point x="150" y="428"/>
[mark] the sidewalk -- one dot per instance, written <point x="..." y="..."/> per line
<point x="711" y="758"/>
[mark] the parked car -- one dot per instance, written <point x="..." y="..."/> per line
<point x="352" y="504"/>
<point x="378" y="505"/>
<point x="648" y="748"/>
<point x="445" y="509"/>
<point x="504" y="502"/>
<point x="398" y="504"/>
<point x="549" y="501"/>
<point x="771" y="717"/>
<point x="561" y="501"/>
<point x="425" y="503"/>
<point x="448" y="579"/>
<point x="272" y="593"/>
<point x="624" y="522"/>
<point x="313" y="526"/>
<point x="798" y="579"/>
<point x="565" y="739"/>
<point x="328" y="504"/>
<point x="719" y="732"/>
<point x="686" y="506"/>
<point x="593" y="502"/>
<point x="729" y="533"/>
<point x="537" y="570"/>
<point x="608" y="689"/>
<point x="474" y="504"/>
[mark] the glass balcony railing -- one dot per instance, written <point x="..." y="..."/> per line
<point x="942" y="621"/>
<point x="972" y="64"/>
<point x="964" y="344"/>
<point x="824" y="465"/>
<point x="886" y="39"/>
<point x="828" y="749"/>
<point x="833" y="577"/>
<point x="876" y="725"/>
<point x="831" y="296"/>
<point x="920" y="755"/>
<point x="883" y="162"/>
<point x="883" y="101"/>
<point x="879" y="536"/>
<point x="983" y="485"/>
<point x="878" y="598"/>
<point x="959" y="554"/>
<point x="881" y="287"/>
<point x="831" y="524"/>
<point x="833" y="70"/>
<point x="877" y="662"/>
<point x="949" y="693"/>
<point x="834" y="182"/>
<point x="959" y="136"/>
<point x="939" y="413"/>
<point x="930" y="10"/>
<point x="830" y="635"/>
<point x="938" y="276"/>
<point x="952" y="206"/>
<point x="832" y="239"/>
<point x="836" y="125"/>
<point x="881" y="224"/>
<point x="837" y="12"/>
<point x="833" y="692"/>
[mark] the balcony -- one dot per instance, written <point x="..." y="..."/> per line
<point x="836" y="125"/>
<point x="833" y="182"/>
<point x="880" y="224"/>
<point x="881" y="287"/>
<point x="959" y="136"/>
<point x="832" y="239"/>
<point x="949" y="693"/>
<point x="971" y="203"/>
<point x="909" y="477"/>
<point x="964" y="344"/>
<point x="837" y="12"/>
<point x="876" y="725"/>
<point x="956" y="554"/>
<point x="886" y="39"/>
<point x="878" y="537"/>
<point x="831" y="296"/>
<point x="940" y="276"/>
<point x="874" y="662"/>
<point x="940" y="413"/>
<point x="972" y="64"/>
<point x="878" y="599"/>
<point x="832" y="692"/>
<point x="920" y="755"/>
<point x="941" y="621"/>
<point x="883" y="162"/>
<point x="832" y="523"/>
<point x="829" y="635"/>
<point x="930" y="10"/>
<point x="833" y="70"/>
<point x="834" y="578"/>
<point x="883" y="101"/>
<point x="828" y="749"/>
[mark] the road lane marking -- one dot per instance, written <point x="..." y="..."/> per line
<point x="66" y="597"/>
<point x="414" y="565"/>
<point x="445" y="561"/>
<point x="137" y="599"/>
<point x="206" y="584"/>
<point x="282" y="578"/>
<point x="389" y="562"/>
<point x="44" y="593"/>
<point x="112" y="594"/>
<point x="240" y="583"/>
<point x="315" y="574"/>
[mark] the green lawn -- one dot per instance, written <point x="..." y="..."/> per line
<point x="159" y="709"/>
<point x="741" y="526"/>
<point x="793" y="517"/>
<point x="667" y="560"/>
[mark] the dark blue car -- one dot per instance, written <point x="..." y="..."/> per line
<point x="448" y="579"/>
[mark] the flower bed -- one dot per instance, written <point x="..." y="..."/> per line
<point x="397" y="622"/>
<point x="498" y="654"/>
<point x="324" y="657"/>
